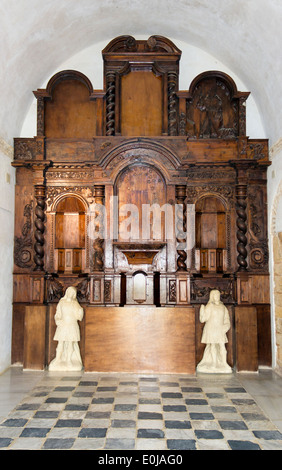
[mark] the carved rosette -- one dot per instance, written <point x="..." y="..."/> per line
<point x="110" y="103"/>
<point x="181" y="228"/>
<point x="241" y="194"/>
<point x="39" y="227"/>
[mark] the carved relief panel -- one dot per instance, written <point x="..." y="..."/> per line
<point x="215" y="110"/>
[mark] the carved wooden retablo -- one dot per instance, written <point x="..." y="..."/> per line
<point x="142" y="194"/>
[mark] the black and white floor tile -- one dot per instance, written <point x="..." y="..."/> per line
<point x="95" y="411"/>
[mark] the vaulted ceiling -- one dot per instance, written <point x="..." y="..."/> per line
<point x="36" y="36"/>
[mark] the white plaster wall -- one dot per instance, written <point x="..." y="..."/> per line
<point x="274" y="222"/>
<point x="7" y="183"/>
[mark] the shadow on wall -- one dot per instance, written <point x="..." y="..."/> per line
<point x="277" y="257"/>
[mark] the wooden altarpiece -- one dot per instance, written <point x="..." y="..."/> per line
<point x="144" y="142"/>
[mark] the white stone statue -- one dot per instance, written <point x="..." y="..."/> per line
<point x="67" y="334"/>
<point x="217" y="322"/>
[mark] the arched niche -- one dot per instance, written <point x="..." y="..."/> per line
<point x="211" y="234"/>
<point x="215" y="108"/>
<point x="139" y="188"/>
<point x="70" y="111"/>
<point x="139" y="287"/>
<point x="70" y="234"/>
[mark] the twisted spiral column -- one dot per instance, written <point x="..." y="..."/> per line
<point x="98" y="245"/>
<point x="110" y="103"/>
<point x="241" y="195"/>
<point x="39" y="227"/>
<point x="172" y="113"/>
<point x="181" y="227"/>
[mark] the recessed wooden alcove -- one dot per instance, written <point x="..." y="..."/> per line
<point x="139" y="252"/>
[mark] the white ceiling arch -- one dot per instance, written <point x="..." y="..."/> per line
<point x="36" y="37"/>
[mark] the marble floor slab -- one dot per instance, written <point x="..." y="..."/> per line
<point x="110" y="411"/>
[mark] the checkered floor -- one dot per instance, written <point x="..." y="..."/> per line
<point x="91" y="411"/>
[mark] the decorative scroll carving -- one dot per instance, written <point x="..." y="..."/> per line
<point x="155" y="43"/>
<point x="83" y="291"/>
<point x="25" y="149"/>
<point x="40" y="116"/>
<point x="172" y="87"/>
<point x="195" y="191"/>
<point x="110" y="103"/>
<point x="258" y="247"/>
<point x="23" y="244"/>
<point x="71" y="172"/>
<point x="202" y="173"/>
<point x="39" y="227"/>
<point x="182" y="124"/>
<point x="54" y="191"/>
<point x="200" y="289"/>
<point x="54" y="288"/>
<point x="172" y="290"/>
<point x="181" y="227"/>
<point x="258" y="151"/>
<point x="107" y="290"/>
<point x="241" y="194"/>
<point x="242" y="115"/>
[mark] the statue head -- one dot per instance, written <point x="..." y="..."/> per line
<point x="214" y="296"/>
<point x="70" y="293"/>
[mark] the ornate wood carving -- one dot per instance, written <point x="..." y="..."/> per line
<point x="215" y="109"/>
<point x="23" y="245"/>
<point x="147" y="142"/>
<point x="39" y="227"/>
<point x="24" y="149"/>
<point x="98" y="260"/>
<point x="172" y="290"/>
<point x="110" y="103"/>
<point x="258" y="246"/>
<point x="241" y="195"/>
<point x="83" y="290"/>
<point x="225" y="191"/>
<point x="107" y="290"/>
<point x="181" y="227"/>
<point x="172" y="102"/>
<point x="200" y="289"/>
<point x="54" y="288"/>
<point x="52" y="192"/>
<point x="40" y="116"/>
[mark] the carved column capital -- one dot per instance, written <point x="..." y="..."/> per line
<point x="99" y="193"/>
